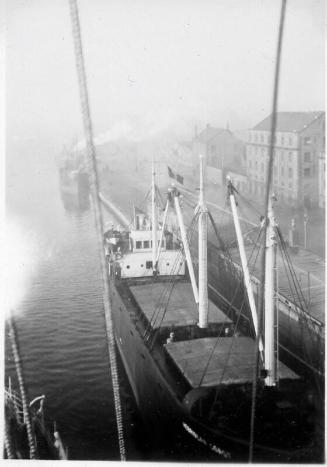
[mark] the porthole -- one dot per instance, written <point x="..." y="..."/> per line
<point x="142" y="265"/>
<point x="167" y="264"/>
<point x="128" y="266"/>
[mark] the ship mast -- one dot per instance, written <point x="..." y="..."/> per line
<point x="203" y="252"/>
<point x="162" y="229"/>
<point x="187" y="252"/>
<point x="154" y="222"/>
<point x="245" y="267"/>
<point x="270" y="272"/>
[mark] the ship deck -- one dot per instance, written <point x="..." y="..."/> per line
<point x="181" y="310"/>
<point x="214" y="361"/>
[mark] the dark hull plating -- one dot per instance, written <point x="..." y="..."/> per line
<point x="160" y="403"/>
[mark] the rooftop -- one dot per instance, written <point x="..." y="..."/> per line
<point x="211" y="132"/>
<point x="212" y="361"/>
<point x="181" y="310"/>
<point x="289" y="121"/>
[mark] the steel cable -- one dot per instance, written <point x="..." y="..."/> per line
<point x="93" y="172"/>
<point x="8" y="441"/>
<point x="22" y="389"/>
<point x="267" y="195"/>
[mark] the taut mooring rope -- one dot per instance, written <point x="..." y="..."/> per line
<point x="22" y="390"/>
<point x="93" y="172"/>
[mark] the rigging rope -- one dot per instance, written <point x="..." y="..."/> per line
<point x="93" y="171"/>
<point x="171" y="282"/>
<point x="267" y="195"/>
<point x="8" y="441"/>
<point x="293" y="282"/>
<point x="245" y="300"/>
<point x="21" y="383"/>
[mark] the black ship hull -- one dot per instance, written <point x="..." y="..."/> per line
<point x="162" y="404"/>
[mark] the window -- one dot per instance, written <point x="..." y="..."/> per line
<point x="290" y="140"/>
<point x="250" y="164"/>
<point x="128" y="266"/>
<point x="282" y="171"/>
<point x="255" y="137"/>
<point x="307" y="157"/>
<point x="262" y="167"/>
<point x="256" y="165"/>
<point x="290" y="156"/>
<point x="261" y="138"/>
<point x="307" y="140"/>
<point x="307" y="172"/>
<point x="146" y="244"/>
<point x="138" y="244"/>
<point x="148" y="264"/>
<point x="282" y="140"/>
<point x="250" y="137"/>
<point x="290" y="173"/>
<point x="213" y="148"/>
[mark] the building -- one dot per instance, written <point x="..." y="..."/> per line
<point x="322" y="179"/>
<point x="299" y="141"/>
<point x="221" y="149"/>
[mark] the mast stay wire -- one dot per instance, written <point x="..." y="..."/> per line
<point x="297" y="293"/>
<point x="267" y="195"/>
<point x="244" y="301"/>
<point x="171" y="284"/>
<point x="93" y="171"/>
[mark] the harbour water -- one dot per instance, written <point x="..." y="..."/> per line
<point x="60" y="318"/>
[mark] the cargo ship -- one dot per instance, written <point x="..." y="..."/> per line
<point x="74" y="181"/>
<point x="189" y="366"/>
<point x="301" y="322"/>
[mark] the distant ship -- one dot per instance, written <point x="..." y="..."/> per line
<point x="74" y="180"/>
<point x="189" y="366"/>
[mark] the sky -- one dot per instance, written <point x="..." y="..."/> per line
<point x="155" y="65"/>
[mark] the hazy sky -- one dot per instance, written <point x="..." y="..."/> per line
<point x="158" y="63"/>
